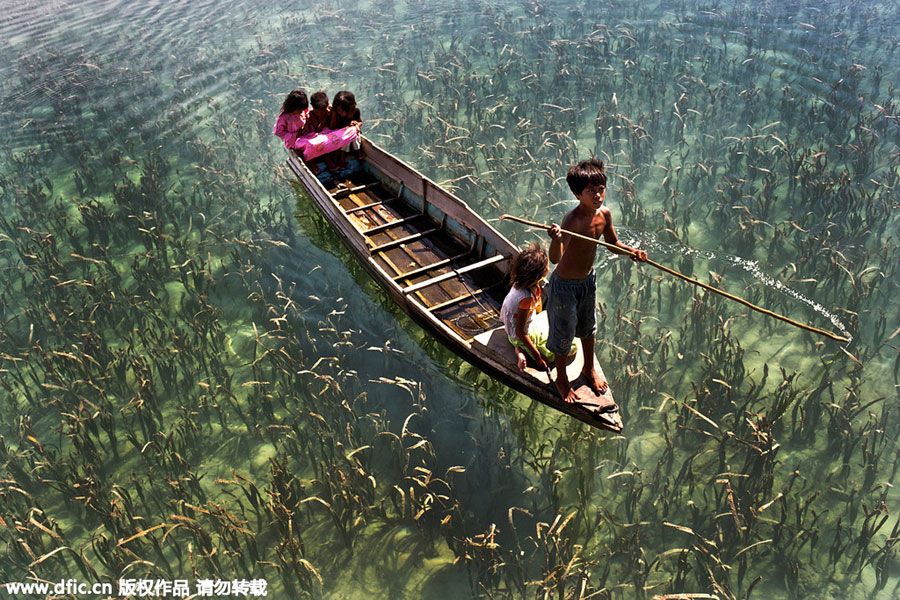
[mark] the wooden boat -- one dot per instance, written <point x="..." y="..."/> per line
<point x="444" y="265"/>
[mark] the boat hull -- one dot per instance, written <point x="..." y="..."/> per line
<point x="444" y="266"/>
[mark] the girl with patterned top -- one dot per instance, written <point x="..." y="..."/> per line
<point x="522" y="303"/>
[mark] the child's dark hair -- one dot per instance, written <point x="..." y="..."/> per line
<point x="528" y="266"/>
<point x="587" y="172"/>
<point x="344" y="100"/>
<point x="319" y="100"/>
<point x="295" y="101"/>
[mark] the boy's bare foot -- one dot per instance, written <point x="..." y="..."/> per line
<point x="597" y="385"/>
<point x="566" y="392"/>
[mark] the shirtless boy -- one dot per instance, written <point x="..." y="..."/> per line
<point x="572" y="289"/>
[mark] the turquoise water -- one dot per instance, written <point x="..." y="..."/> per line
<point x="198" y="382"/>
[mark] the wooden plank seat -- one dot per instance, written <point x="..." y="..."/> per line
<point x="371" y="205"/>
<point x="403" y="240"/>
<point x="431" y="266"/>
<point x="454" y="273"/>
<point x="342" y="192"/>
<point x="389" y="224"/>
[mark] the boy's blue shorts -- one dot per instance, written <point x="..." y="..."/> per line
<point x="571" y="310"/>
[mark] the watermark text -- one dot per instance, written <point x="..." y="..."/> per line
<point x="141" y="588"/>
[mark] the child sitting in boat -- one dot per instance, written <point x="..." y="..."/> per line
<point x="320" y="114"/>
<point x="526" y="333"/>
<point x="322" y="135"/>
<point x="293" y="118"/>
<point x="319" y="118"/>
<point x="344" y="113"/>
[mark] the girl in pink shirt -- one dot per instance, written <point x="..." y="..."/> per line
<point x="292" y="118"/>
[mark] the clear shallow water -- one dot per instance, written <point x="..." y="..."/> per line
<point x="185" y="344"/>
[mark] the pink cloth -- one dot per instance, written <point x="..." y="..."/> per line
<point x="317" y="144"/>
<point x="289" y="126"/>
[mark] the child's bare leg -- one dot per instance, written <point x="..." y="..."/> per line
<point x="594" y="381"/>
<point x="562" y="380"/>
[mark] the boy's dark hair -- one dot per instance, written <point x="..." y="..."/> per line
<point x="344" y="99"/>
<point x="319" y="100"/>
<point x="585" y="173"/>
<point x="528" y="266"/>
<point x="295" y="101"/>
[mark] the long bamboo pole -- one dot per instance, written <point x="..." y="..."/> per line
<point x="705" y="286"/>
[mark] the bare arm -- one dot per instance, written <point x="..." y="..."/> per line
<point x="609" y="234"/>
<point x="559" y="240"/>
